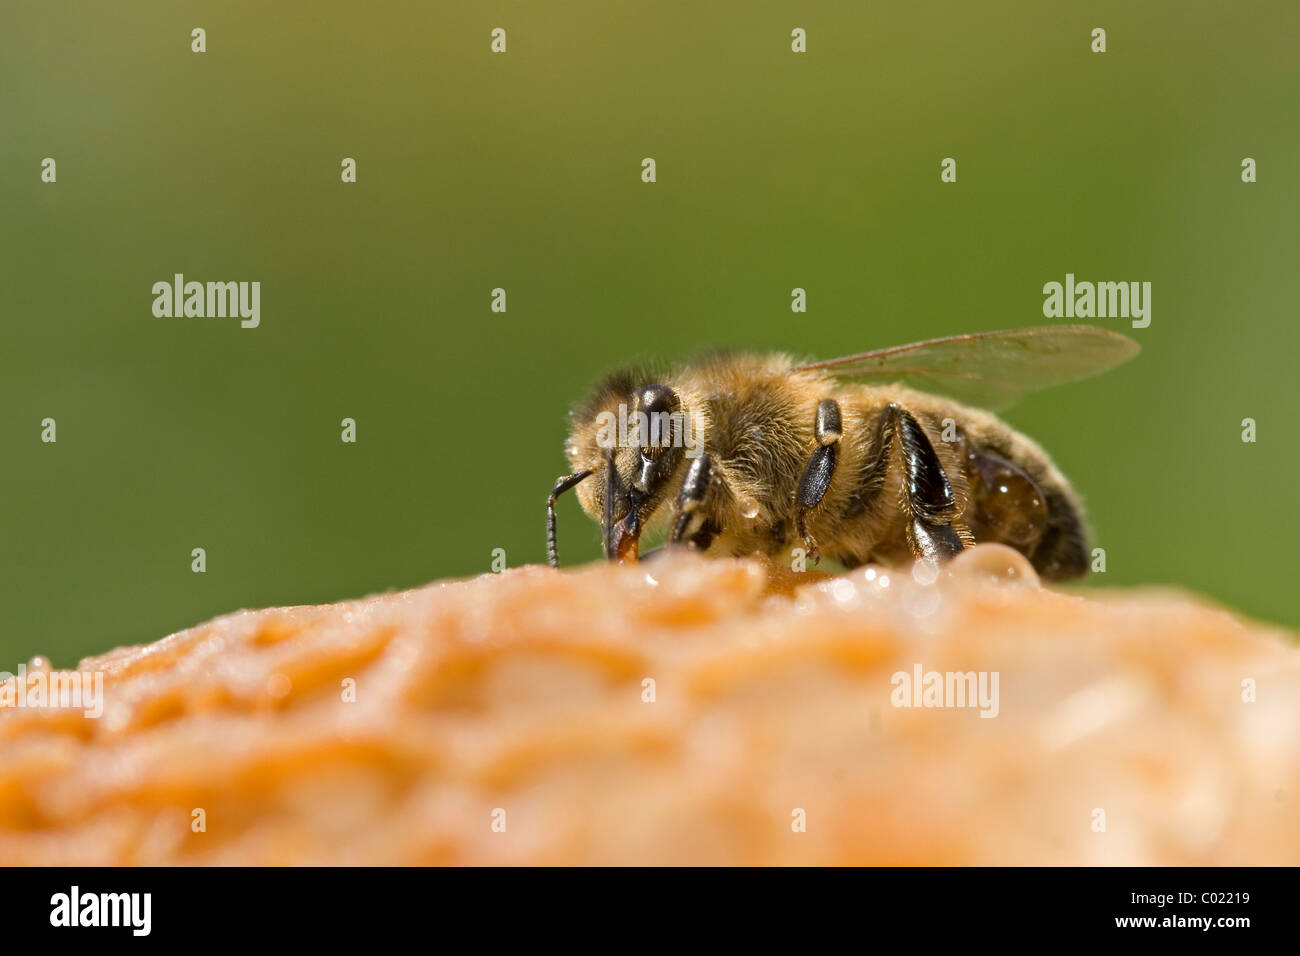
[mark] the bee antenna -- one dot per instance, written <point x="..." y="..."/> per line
<point x="561" y="486"/>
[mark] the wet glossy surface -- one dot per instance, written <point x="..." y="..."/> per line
<point x="770" y="691"/>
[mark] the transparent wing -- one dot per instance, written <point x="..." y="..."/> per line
<point x="990" y="369"/>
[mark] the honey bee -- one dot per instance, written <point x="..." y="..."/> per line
<point x="736" y="454"/>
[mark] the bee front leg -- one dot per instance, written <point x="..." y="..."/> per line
<point x="690" y="523"/>
<point x="933" y="531"/>
<point x="562" y="484"/>
<point x="821" y="469"/>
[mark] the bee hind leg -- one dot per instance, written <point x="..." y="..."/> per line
<point x="934" y="531"/>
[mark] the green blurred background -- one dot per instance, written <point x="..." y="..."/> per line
<point x="522" y="170"/>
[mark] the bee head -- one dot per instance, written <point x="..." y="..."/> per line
<point x="630" y="436"/>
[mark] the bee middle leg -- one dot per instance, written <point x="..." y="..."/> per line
<point x="821" y="469"/>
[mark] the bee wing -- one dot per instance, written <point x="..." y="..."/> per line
<point x="990" y="369"/>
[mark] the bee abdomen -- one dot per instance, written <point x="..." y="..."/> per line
<point x="1062" y="551"/>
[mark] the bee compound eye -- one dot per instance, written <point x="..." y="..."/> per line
<point x="657" y="399"/>
<point x="657" y="403"/>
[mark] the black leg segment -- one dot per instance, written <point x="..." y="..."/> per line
<point x="561" y="486"/>
<point x="821" y="469"/>
<point x="930" y="532"/>
<point x="928" y="490"/>
<point x="693" y="492"/>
